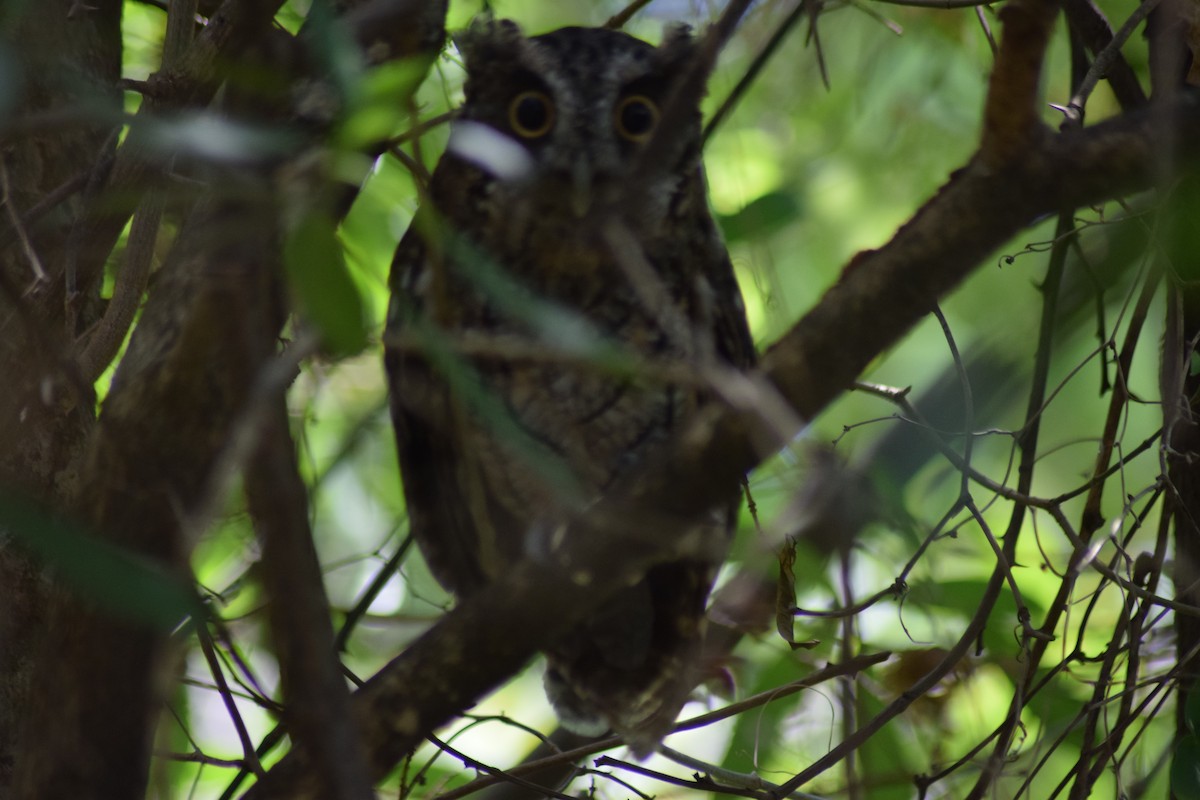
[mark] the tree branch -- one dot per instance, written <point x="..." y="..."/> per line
<point x="191" y="82"/>
<point x="880" y="295"/>
<point x="100" y="674"/>
<point x="1011" y="117"/>
<point x="1097" y="35"/>
<point x="317" y="702"/>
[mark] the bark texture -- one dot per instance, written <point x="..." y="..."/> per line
<point x="63" y="62"/>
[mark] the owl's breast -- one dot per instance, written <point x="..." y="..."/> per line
<point x="593" y="421"/>
<point x="599" y="426"/>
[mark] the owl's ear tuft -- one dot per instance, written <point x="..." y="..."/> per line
<point x="678" y="45"/>
<point x="487" y="38"/>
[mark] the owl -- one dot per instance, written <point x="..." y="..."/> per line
<point x="547" y="234"/>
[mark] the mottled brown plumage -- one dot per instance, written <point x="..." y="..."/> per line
<point x="538" y="238"/>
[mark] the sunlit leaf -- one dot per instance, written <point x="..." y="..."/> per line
<point x="379" y="103"/>
<point x="316" y="267"/>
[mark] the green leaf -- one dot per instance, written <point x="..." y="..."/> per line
<point x="378" y="105"/>
<point x="761" y="217"/>
<point x="316" y="268"/>
<point x="373" y="100"/>
<point x="333" y="47"/>
<point x="124" y="583"/>
<point x="963" y="596"/>
<point x="1192" y="710"/>
<point x="1185" y="769"/>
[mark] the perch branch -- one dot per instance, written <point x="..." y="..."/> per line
<point x="880" y="295"/>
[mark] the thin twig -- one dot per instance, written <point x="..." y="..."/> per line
<point x="1106" y="59"/>
<point x="368" y="596"/>
<point x="829" y="672"/>
<point x="752" y="72"/>
<point x="249" y="759"/>
<point x="946" y="4"/>
<point x="35" y="263"/>
<point x="101" y="343"/>
<point x="97" y="179"/>
<point x="895" y="590"/>
<point x="726" y="776"/>
<point x="421" y="128"/>
<point x="1093" y="27"/>
<point x="987" y="29"/>
<point x="698" y="782"/>
<point x="473" y="763"/>
<point x="48" y="203"/>
<point x="619" y="19"/>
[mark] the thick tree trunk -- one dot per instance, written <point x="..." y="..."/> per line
<point x="81" y="687"/>
<point x="58" y="133"/>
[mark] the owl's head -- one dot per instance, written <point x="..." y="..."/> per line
<point x="569" y="111"/>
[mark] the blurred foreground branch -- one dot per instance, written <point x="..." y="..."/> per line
<point x="1029" y="172"/>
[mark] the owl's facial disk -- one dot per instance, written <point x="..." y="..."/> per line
<point x="559" y="119"/>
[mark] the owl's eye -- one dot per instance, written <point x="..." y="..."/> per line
<point x="636" y="117"/>
<point x="531" y="114"/>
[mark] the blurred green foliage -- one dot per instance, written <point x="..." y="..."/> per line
<point x="801" y="177"/>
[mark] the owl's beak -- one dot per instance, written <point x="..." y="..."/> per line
<point x="581" y="188"/>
